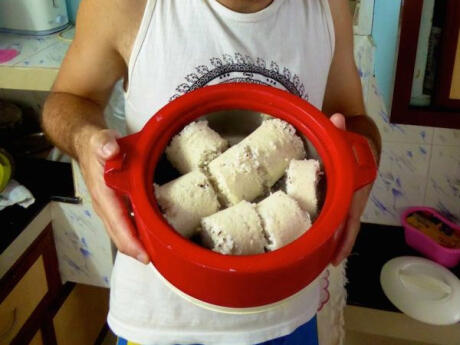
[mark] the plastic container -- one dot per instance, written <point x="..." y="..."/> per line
<point x="6" y="169"/>
<point x="422" y="289"/>
<point x="240" y="281"/>
<point x="448" y="257"/>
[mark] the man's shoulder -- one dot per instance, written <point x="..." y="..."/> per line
<point x="115" y="21"/>
<point x="113" y="11"/>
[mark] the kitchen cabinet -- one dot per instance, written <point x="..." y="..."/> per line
<point x="37" y="339"/>
<point x="23" y="300"/>
<point x="27" y="289"/>
<point x="35" y="306"/>
<point x="455" y="89"/>
<point x="79" y="319"/>
<point x="427" y="90"/>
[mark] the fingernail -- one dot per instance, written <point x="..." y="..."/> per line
<point x="108" y="149"/>
<point x="143" y="258"/>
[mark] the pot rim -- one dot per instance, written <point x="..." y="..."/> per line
<point x="330" y="143"/>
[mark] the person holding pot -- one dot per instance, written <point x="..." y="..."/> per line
<point x="163" y="49"/>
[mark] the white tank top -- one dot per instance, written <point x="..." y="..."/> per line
<point x="184" y="45"/>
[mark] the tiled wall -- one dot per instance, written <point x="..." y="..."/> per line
<point x="84" y="249"/>
<point x="419" y="166"/>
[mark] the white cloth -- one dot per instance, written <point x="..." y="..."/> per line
<point x="15" y="193"/>
<point x="145" y="310"/>
<point x="183" y="45"/>
<point x="331" y="321"/>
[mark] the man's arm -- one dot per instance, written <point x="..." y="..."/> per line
<point x="344" y="92"/>
<point x="85" y="80"/>
<point x="344" y="96"/>
<point x="73" y="113"/>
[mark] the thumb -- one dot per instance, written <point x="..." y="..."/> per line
<point x="105" y="144"/>
<point x="338" y="120"/>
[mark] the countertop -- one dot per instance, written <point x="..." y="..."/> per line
<point x="375" y="245"/>
<point x="37" y="59"/>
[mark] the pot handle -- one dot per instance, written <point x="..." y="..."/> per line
<point x="364" y="165"/>
<point x="116" y="170"/>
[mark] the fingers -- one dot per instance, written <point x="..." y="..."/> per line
<point x="119" y="225"/>
<point x="107" y="204"/>
<point x="349" y="235"/>
<point x="352" y="225"/>
<point x="339" y="232"/>
<point x="104" y="145"/>
<point x="338" y="120"/>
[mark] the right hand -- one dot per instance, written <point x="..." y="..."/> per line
<point x="99" y="146"/>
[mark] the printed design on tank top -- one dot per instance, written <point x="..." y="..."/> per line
<point x="242" y="69"/>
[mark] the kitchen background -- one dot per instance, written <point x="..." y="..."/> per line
<point x="419" y="165"/>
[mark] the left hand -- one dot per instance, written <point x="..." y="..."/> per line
<point x="350" y="228"/>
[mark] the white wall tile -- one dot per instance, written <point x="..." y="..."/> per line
<point x="390" y="132"/>
<point x="79" y="183"/>
<point x="363" y="17"/>
<point x="446" y="136"/>
<point x="419" y="166"/>
<point x="443" y="189"/>
<point x="85" y="252"/>
<point x="364" y="50"/>
<point x="400" y="183"/>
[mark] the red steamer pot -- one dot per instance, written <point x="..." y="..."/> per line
<point x="240" y="281"/>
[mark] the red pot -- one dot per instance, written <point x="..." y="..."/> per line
<point x="240" y="281"/>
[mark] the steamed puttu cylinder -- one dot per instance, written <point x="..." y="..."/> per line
<point x="236" y="176"/>
<point x="248" y="169"/>
<point x="186" y="200"/>
<point x="236" y="230"/>
<point x="302" y="177"/>
<point x="194" y="147"/>
<point x="282" y="219"/>
<point x="273" y="145"/>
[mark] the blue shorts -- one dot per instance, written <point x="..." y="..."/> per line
<point x="306" y="334"/>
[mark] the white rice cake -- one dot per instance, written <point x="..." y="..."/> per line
<point x="187" y="199"/>
<point x="236" y="176"/>
<point x="283" y="220"/>
<point x="274" y="144"/>
<point x="236" y="230"/>
<point x="194" y="147"/>
<point x="302" y="178"/>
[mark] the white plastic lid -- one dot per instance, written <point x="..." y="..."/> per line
<point x="422" y="289"/>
